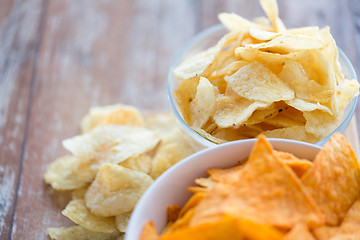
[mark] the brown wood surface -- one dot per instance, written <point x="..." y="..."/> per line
<point x="58" y="58"/>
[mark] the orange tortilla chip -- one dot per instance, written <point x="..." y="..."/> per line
<point x="224" y="175"/>
<point x="349" y="228"/>
<point x="299" y="166"/>
<point x="173" y="213"/>
<point x="299" y="232"/>
<point x="225" y="228"/>
<point x="282" y="200"/>
<point x="149" y="232"/>
<point x="337" y="166"/>
<point x="324" y="232"/>
<point x="253" y="230"/>
<point x="192" y="202"/>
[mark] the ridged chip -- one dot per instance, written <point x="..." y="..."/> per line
<point x="116" y="190"/>
<point x="256" y="82"/>
<point x="77" y="211"/>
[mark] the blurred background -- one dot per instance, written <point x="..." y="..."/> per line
<point x="58" y="58"/>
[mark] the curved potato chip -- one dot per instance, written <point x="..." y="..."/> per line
<point x="204" y="104"/>
<point x="296" y="133"/>
<point x="235" y="23"/>
<point x="271" y="9"/>
<point x="65" y="173"/>
<point x="208" y="136"/>
<point x="172" y="149"/>
<point x="197" y="65"/>
<point x="111" y="143"/>
<point x="121" y="221"/>
<point x="161" y="123"/>
<point x="316" y="66"/>
<point x="115" y="190"/>
<point x="77" y="211"/>
<point x="320" y="123"/>
<point x="184" y="94"/>
<point x="114" y="114"/>
<point x="305" y="106"/>
<point x="346" y="91"/>
<point x="256" y="82"/>
<point x="201" y="63"/>
<point x="261" y="35"/>
<point x="141" y="163"/>
<point x="294" y="74"/>
<point x="80" y="233"/>
<point x="287" y="43"/>
<point x="231" y="68"/>
<point x="264" y="114"/>
<point x="274" y="61"/>
<point x="234" y="110"/>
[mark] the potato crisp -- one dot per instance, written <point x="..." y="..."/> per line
<point x="264" y="78"/>
<point x="110" y="165"/>
<point x="273" y="195"/>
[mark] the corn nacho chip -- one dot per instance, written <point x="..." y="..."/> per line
<point x="349" y="228"/>
<point x="116" y="190"/>
<point x="336" y="165"/>
<point x="77" y="211"/>
<point x="299" y="166"/>
<point x="264" y="166"/>
<point x="149" y="232"/>
<point x="299" y="232"/>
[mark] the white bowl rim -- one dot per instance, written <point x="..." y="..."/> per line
<point x="133" y="230"/>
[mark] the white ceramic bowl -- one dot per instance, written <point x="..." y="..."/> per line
<point x="209" y="38"/>
<point x="171" y="187"/>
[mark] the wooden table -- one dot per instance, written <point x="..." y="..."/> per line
<point x="58" y="58"/>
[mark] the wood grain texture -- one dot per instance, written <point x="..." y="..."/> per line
<point x="62" y="57"/>
<point x="18" y="38"/>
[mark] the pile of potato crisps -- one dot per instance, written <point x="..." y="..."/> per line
<point x="263" y="78"/>
<point x="110" y="165"/>
<point x="273" y="195"/>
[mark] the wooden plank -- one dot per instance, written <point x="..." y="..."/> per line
<point x="19" y="22"/>
<point x="104" y="52"/>
<point x="92" y="53"/>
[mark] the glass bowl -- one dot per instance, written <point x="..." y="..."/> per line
<point x="209" y="38"/>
